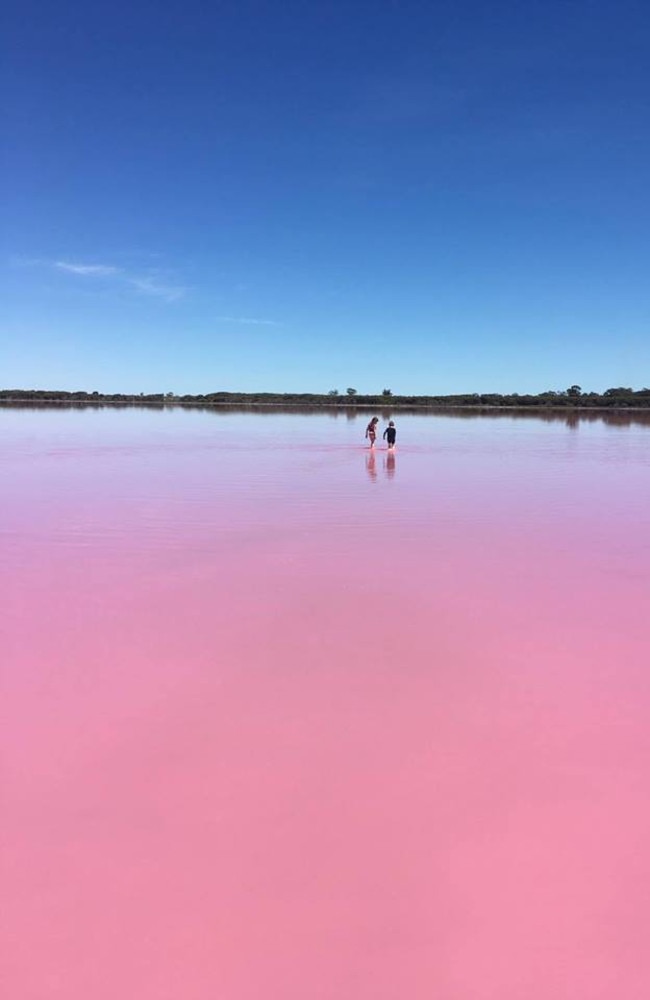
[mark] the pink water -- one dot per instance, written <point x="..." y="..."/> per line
<point x="285" y="722"/>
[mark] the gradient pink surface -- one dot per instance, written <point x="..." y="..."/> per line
<point x="285" y="720"/>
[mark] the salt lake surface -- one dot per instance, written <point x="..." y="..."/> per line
<point x="285" y="721"/>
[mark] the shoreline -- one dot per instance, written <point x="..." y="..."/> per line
<point x="327" y="407"/>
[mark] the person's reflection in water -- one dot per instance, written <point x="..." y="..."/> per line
<point x="371" y="465"/>
<point x="389" y="463"/>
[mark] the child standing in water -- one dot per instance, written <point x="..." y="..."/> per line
<point x="390" y="434"/>
<point x="371" y="431"/>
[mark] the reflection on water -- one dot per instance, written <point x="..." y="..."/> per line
<point x="387" y="463"/>
<point x="571" y="417"/>
<point x="277" y="724"/>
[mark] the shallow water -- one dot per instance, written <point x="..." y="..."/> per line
<point x="286" y="720"/>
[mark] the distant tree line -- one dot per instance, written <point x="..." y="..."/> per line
<point x="619" y="397"/>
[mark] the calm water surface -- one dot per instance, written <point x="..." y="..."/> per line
<point x="285" y="721"/>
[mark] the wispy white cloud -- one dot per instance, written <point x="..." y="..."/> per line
<point x="18" y="261"/>
<point x="92" y="270"/>
<point x="151" y="286"/>
<point x="247" y="321"/>
<point x="151" y="281"/>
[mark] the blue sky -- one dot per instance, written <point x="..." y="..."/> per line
<point x="430" y="197"/>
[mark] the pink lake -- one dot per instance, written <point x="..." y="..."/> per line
<point x="282" y="721"/>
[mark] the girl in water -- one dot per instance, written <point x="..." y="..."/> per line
<point x="371" y="431"/>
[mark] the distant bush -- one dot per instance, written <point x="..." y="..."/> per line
<point x="574" y="397"/>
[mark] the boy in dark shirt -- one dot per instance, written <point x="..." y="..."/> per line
<point x="390" y="434"/>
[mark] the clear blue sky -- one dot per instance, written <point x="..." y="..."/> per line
<point x="243" y="195"/>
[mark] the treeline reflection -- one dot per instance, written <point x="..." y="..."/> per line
<point x="572" y="418"/>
